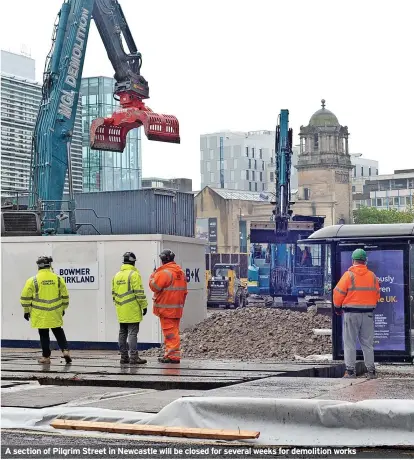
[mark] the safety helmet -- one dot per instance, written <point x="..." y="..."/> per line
<point x="129" y="258"/>
<point x="167" y="256"/>
<point x="44" y="261"/>
<point x="359" y="254"/>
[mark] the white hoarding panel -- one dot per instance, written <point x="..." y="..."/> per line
<point x="88" y="264"/>
<point x="78" y="276"/>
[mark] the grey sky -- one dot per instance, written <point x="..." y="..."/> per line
<point x="233" y="64"/>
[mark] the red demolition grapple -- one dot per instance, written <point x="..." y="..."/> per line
<point x="110" y="133"/>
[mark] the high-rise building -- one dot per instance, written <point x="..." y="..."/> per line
<point x="247" y="161"/>
<point x="180" y="184"/>
<point x="363" y="167"/>
<point x="107" y="171"/>
<point x="20" y="100"/>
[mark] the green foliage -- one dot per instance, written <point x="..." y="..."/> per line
<point x="365" y="215"/>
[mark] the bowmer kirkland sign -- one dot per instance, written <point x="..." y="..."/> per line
<point x="389" y="317"/>
<point x="79" y="276"/>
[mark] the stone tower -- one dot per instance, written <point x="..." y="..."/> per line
<point x="324" y="169"/>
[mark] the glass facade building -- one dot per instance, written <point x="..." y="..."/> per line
<point x="107" y="171"/>
<point x="20" y="100"/>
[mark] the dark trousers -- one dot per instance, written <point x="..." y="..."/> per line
<point x="59" y="333"/>
<point x="128" y="333"/>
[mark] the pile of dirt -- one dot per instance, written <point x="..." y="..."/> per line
<point x="255" y="333"/>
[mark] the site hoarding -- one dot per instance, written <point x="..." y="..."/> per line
<point x="391" y="317"/>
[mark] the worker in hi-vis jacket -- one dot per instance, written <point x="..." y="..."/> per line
<point x="44" y="299"/>
<point x="169" y="285"/>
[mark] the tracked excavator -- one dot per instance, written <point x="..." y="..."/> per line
<point x="52" y="136"/>
<point x="282" y="270"/>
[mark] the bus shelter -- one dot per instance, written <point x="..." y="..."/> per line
<point x="390" y="251"/>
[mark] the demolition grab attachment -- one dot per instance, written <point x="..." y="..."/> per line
<point x="110" y="134"/>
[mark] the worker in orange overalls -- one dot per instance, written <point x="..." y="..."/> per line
<point x="169" y="285"/>
<point x="356" y="295"/>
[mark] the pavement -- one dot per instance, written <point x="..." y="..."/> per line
<point x="96" y="379"/>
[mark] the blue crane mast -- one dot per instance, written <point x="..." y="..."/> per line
<point x="52" y="136"/>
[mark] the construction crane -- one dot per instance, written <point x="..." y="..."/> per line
<point x="52" y="136"/>
<point x="278" y="271"/>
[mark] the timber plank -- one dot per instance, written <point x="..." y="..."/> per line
<point x="157" y="430"/>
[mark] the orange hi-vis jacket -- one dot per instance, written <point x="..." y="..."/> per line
<point x="357" y="291"/>
<point x="169" y="285"/>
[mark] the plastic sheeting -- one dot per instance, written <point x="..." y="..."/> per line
<point x="295" y="422"/>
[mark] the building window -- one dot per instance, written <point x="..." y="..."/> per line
<point x="247" y="151"/>
<point x="271" y="159"/>
<point x="379" y="202"/>
<point x="253" y="152"/>
<point x="212" y="178"/>
<point x="208" y="166"/>
<point x="255" y="186"/>
<point x="354" y="171"/>
<point x="201" y="155"/>
<point x="369" y="171"/>
<point x="250" y="186"/>
<point x="263" y="186"/>
<point x="235" y="164"/>
<point x="376" y="172"/>
<point x="232" y="176"/>
<point x="261" y="176"/>
<point x="250" y="163"/>
<point x="408" y="200"/>
<point x="362" y="171"/>
<point x="253" y="175"/>
<point x="306" y="193"/>
<point x="353" y="189"/>
<point x="211" y="154"/>
<point x="262" y="165"/>
<point x="261" y="153"/>
<point x="255" y="164"/>
<point x="315" y="141"/>
<point x="247" y="174"/>
<point x="272" y="177"/>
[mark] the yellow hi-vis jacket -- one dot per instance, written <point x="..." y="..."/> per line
<point x="45" y="296"/>
<point x="128" y="295"/>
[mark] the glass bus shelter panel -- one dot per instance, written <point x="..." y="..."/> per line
<point x="391" y="317"/>
<point x="309" y="266"/>
<point x="412" y="298"/>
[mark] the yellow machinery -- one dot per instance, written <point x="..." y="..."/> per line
<point x="225" y="288"/>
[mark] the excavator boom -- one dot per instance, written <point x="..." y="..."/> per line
<point x="131" y="87"/>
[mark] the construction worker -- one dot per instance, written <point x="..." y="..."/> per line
<point x="169" y="285"/>
<point x="131" y="305"/>
<point x="356" y="295"/>
<point x="44" y="299"/>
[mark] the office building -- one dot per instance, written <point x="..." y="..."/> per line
<point x="239" y="160"/>
<point x="386" y="191"/>
<point x="178" y="184"/>
<point x="107" y="171"/>
<point x="363" y="167"/>
<point x="20" y="100"/>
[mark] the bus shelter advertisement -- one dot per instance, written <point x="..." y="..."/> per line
<point x="389" y="316"/>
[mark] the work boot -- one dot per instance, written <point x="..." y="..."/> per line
<point x="43" y="360"/>
<point x="67" y="357"/>
<point x="372" y="375"/>
<point x="349" y="375"/>
<point x="137" y="360"/>
<point x="168" y="361"/>
<point x="124" y="359"/>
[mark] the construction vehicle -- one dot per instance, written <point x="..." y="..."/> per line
<point x="51" y="157"/>
<point x="224" y="288"/>
<point x="278" y="267"/>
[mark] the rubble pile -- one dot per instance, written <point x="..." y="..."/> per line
<point x="255" y="333"/>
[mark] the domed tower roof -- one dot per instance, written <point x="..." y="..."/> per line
<point x="323" y="117"/>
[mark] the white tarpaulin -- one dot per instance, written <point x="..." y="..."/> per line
<point x="295" y="422"/>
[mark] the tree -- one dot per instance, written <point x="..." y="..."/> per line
<point x="365" y="215"/>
